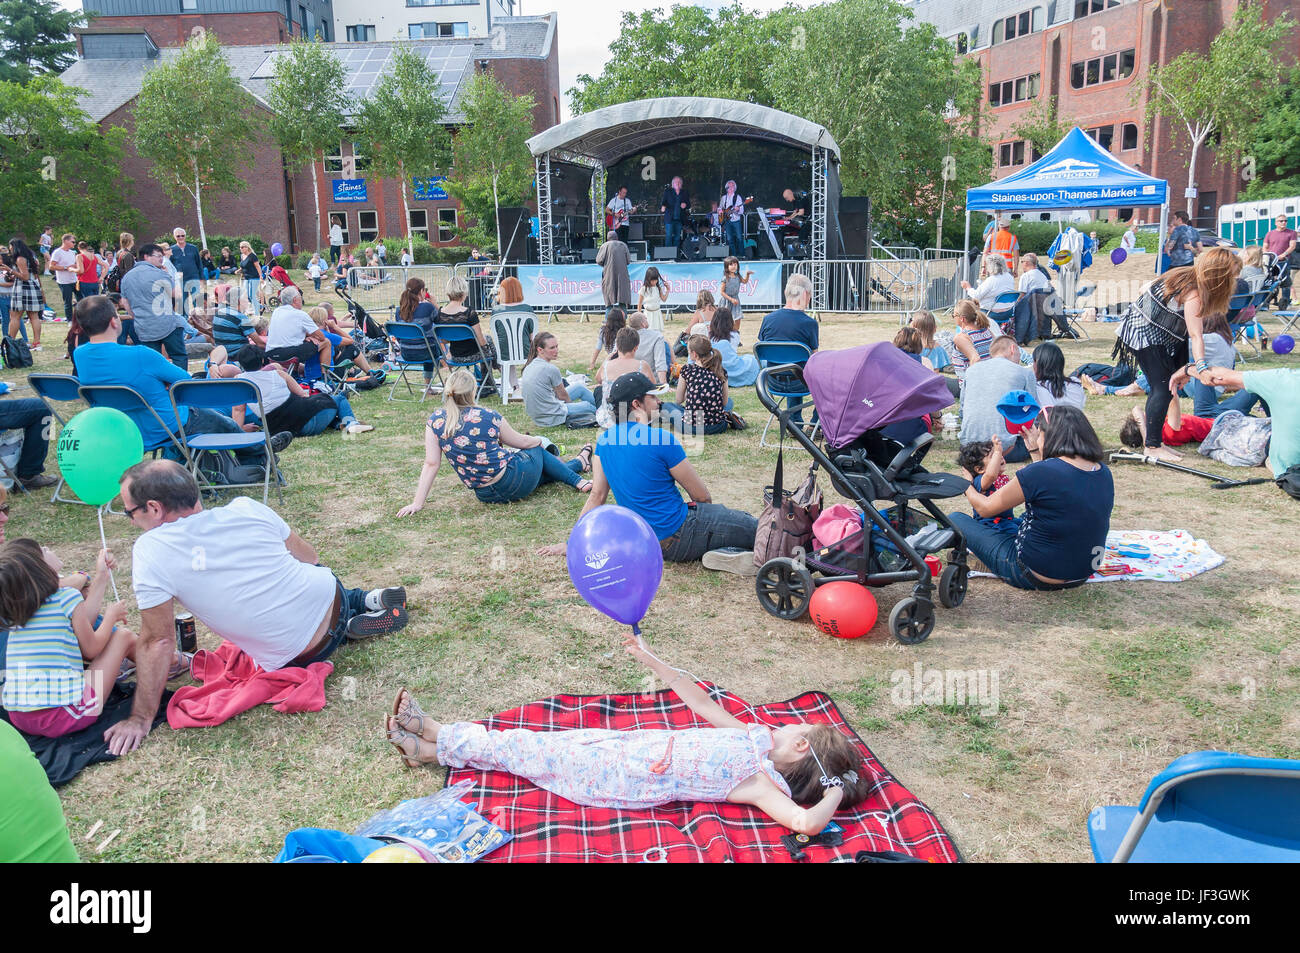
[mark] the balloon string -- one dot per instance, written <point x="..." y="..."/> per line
<point x="104" y="541"/>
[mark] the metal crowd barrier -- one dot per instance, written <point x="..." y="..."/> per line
<point x="941" y="278"/>
<point x="379" y="290"/>
<point x="877" y="286"/>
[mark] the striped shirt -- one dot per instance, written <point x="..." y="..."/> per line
<point x="44" y="665"/>
<point x="980" y="340"/>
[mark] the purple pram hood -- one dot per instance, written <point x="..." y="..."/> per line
<point x="871" y="386"/>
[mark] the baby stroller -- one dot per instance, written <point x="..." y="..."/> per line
<point x="368" y="334"/>
<point x="857" y="393"/>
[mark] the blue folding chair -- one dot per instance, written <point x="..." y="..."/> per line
<point x="784" y="352"/>
<point x="222" y="395"/>
<point x="411" y="336"/>
<point x="1004" y="306"/>
<point x="1210" y="806"/>
<point x="55" y="389"/>
<point x="448" y="334"/>
<point x="130" y="402"/>
<point x="1244" y="332"/>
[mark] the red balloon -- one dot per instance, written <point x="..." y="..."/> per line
<point x="843" y="609"/>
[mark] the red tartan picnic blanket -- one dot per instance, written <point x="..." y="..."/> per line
<point x="547" y="827"/>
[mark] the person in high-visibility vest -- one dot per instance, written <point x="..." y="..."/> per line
<point x="1004" y="242"/>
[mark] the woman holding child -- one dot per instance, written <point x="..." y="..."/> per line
<point x="1068" y="494"/>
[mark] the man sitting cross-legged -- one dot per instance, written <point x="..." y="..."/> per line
<point x="292" y="333"/>
<point x="103" y="361"/>
<point x="244" y="573"/>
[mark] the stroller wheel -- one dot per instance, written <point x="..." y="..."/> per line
<point x="912" y="621"/>
<point x="784" y="588"/>
<point x="952" y="586"/>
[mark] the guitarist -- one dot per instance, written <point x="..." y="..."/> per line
<point x="620" y="208"/>
<point x="732" y="208"/>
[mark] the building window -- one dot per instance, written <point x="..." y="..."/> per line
<point x="1012" y="153"/>
<point x="446" y="224"/>
<point x="361" y="160"/>
<point x="1014" y="90"/>
<point x="1083" y="8"/>
<point x="342" y="221"/>
<point x="1128" y="136"/>
<point x="416" y="31"/>
<point x="1020" y="24"/>
<point x="1103" y="69"/>
<point x="962" y="42"/>
<point x="368" y="226"/>
<point x="361" y="33"/>
<point x="189" y="6"/>
<point x="334" y="160"/>
<point x="1103" y="136"/>
<point x="417" y="222"/>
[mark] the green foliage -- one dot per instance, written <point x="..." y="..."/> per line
<point x="215" y="243"/>
<point x="58" y="166"/>
<point x="912" y="103"/>
<point x="1275" y="146"/>
<point x="1041" y="125"/>
<point x="493" y="166"/>
<point x="423" y="252"/>
<point x="36" y="38"/>
<point x="1037" y="237"/>
<point x="308" y="100"/>
<point x="191" y="122"/>
<point x="1220" y="96"/>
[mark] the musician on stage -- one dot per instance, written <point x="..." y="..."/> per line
<point x="621" y="208"/>
<point x="793" y="198"/>
<point x="732" y="208"/>
<point x="675" y="207"/>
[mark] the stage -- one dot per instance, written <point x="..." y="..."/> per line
<point x="551" y="287"/>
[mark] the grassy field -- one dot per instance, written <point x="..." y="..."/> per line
<point x="1098" y="687"/>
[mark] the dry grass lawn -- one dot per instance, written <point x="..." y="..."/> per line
<point x="1099" y="687"/>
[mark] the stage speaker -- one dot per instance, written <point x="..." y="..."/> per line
<point x="716" y="251"/>
<point x="588" y="255"/>
<point x="855" y="225"/>
<point x="665" y="253"/>
<point x="636" y="232"/>
<point x="514" y="232"/>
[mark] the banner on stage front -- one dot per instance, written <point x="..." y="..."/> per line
<point x="578" y="286"/>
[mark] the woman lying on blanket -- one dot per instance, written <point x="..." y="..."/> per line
<point x="774" y="770"/>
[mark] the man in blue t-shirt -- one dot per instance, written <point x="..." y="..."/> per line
<point x="103" y="361"/>
<point x="644" y="465"/>
<point x="1184" y="242"/>
<point x="792" y="323"/>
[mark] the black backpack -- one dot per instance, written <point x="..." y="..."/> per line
<point x="16" y="353"/>
<point x="1289" y="482"/>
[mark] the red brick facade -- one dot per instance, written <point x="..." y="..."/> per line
<point x="1157" y="31"/>
<point x="287" y="212"/>
<point x="232" y="29"/>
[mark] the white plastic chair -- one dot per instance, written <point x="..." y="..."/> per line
<point x="512" y="331"/>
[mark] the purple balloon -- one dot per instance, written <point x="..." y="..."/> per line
<point x="277" y="249"/>
<point x="615" y="562"/>
<point x="1117" y="256"/>
<point x="1283" y="344"/>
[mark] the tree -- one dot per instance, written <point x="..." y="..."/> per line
<point x="903" y="109"/>
<point x="1273" y="159"/>
<point x="492" y="164"/>
<point x="35" y="38"/>
<point x="309" y="104"/>
<point x="1041" y="126"/>
<point x="401" y="121"/>
<point x="1222" y="94"/>
<point x="191" y="121"/>
<point x="57" y="165"/>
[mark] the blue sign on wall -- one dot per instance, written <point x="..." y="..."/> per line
<point x="349" y="190"/>
<point x="429" y="188"/>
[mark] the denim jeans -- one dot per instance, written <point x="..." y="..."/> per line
<point x="709" y="526"/>
<point x="335" y="251"/>
<point x="736" y="237"/>
<point x="173" y="346"/>
<point x="30" y="415"/>
<point x="1017" y="452"/>
<point x="995" y="547"/>
<point x="676" y="413"/>
<point x="88" y="288"/>
<point x="4" y="317"/>
<point x="342" y="412"/>
<point x="526" y="471"/>
<point x="1206" y="403"/>
<point x="128" y="332"/>
<point x="200" y="420"/>
<point x="672" y="233"/>
<point x="71" y="295"/>
<point x="352" y="604"/>
<point x="580" y="411"/>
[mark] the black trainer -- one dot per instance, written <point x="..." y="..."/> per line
<point x="280" y="441"/>
<point x="369" y="624"/>
<point x="393" y="597"/>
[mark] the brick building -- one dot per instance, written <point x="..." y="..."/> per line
<point x="279" y="206"/>
<point x="237" y="22"/>
<point x="1091" y="55"/>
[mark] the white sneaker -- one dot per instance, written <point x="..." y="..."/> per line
<point x="36" y="347"/>
<point x="731" y="559"/>
<point x="357" y="427"/>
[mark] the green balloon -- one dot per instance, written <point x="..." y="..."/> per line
<point x="95" y="449"/>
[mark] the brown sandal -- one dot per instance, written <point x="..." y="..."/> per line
<point x="415" y="714"/>
<point x="396" y="735"/>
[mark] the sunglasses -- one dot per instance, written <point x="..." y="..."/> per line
<point x="130" y="511"/>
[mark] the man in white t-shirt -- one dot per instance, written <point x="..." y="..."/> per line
<point x="336" y="241"/>
<point x="244" y="573"/>
<point x="63" y="262"/>
<point x="621" y="208"/>
<point x="292" y="333"/>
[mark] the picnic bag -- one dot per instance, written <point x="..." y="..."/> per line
<point x="787" y="520"/>
<point x="16" y="353"/>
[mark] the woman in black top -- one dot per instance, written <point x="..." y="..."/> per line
<point x="458" y="312"/>
<point x="227" y="264"/>
<point x="252" y="273"/>
<point x="414" y="307"/>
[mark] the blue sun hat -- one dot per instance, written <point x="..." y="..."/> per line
<point x="1019" y="409"/>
